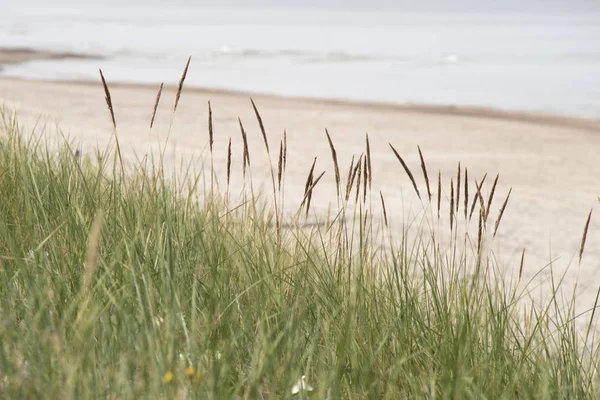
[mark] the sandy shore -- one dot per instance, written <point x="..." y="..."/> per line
<point x="551" y="163"/>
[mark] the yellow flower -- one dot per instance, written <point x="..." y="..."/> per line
<point x="168" y="377"/>
<point x="189" y="372"/>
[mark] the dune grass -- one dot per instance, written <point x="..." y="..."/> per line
<point x="123" y="285"/>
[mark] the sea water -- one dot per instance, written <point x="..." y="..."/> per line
<point x="538" y="59"/>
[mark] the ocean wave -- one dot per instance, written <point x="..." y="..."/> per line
<point x="226" y="52"/>
<point x="297" y="56"/>
<point x="307" y="56"/>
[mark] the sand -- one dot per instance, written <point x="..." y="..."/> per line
<point x="551" y="163"/>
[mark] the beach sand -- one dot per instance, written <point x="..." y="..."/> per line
<point x="551" y="163"/>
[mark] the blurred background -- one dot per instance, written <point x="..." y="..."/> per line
<point x="539" y="56"/>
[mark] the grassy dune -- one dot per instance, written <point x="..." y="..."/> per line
<point x="117" y="283"/>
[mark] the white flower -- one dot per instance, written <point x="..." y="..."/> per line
<point x="301" y="386"/>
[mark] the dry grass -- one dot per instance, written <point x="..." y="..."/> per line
<point x="336" y="166"/>
<point x="478" y="196"/>
<point x="349" y="179"/>
<point x="584" y="237"/>
<point x="246" y="153"/>
<point x="228" y="164"/>
<point x="466" y="192"/>
<point x="458" y="188"/>
<point x="385" y="220"/>
<point x="491" y="198"/>
<point x="407" y="170"/>
<point x="501" y="212"/>
<point x="451" y="204"/>
<point x="369" y="167"/>
<point x="108" y="100"/>
<point x="425" y="176"/>
<point x="521" y="264"/>
<point x="358" y="174"/>
<point x="156" y="101"/>
<point x="439" y="194"/>
<point x="280" y="165"/>
<point x="180" y="84"/>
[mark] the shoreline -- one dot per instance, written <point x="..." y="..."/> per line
<point x="18" y="55"/>
<point x="479" y="112"/>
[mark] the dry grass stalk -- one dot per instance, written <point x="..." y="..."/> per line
<point x="370" y="169"/>
<point x="384" y="210"/>
<point x="280" y="165"/>
<point x="210" y="142"/>
<point x="358" y="176"/>
<point x="335" y="163"/>
<point x="458" y="188"/>
<point x="424" y="169"/>
<point x="466" y="192"/>
<point x="439" y="193"/>
<point x="210" y="128"/>
<point x="477" y="195"/>
<point x="246" y="154"/>
<point x="349" y="179"/>
<point x="584" y="238"/>
<point x="407" y="170"/>
<point x="358" y="164"/>
<point x="489" y="204"/>
<point x="108" y="99"/>
<point x="309" y="179"/>
<point x="366" y="179"/>
<point x="353" y="177"/>
<point x="156" y="105"/>
<point x="92" y="251"/>
<point x="522" y="263"/>
<point x="180" y="85"/>
<point x="481" y="204"/>
<point x="228" y="164"/>
<point x="501" y="212"/>
<point x="308" y="200"/>
<point x="261" y="125"/>
<point x="308" y="195"/>
<point x="480" y="230"/>
<point x="451" y="203"/>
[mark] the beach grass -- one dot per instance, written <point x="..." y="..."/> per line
<point x="117" y="283"/>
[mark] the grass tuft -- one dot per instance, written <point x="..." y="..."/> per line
<point x="111" y="290"/>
